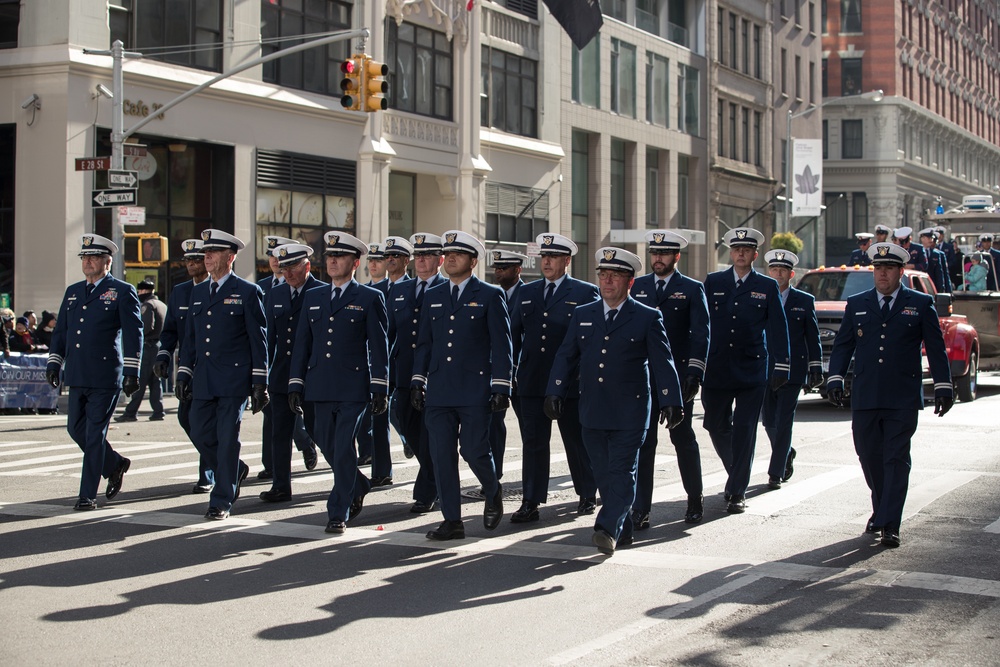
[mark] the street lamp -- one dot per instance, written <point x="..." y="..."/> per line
<point x="873" y="95"/>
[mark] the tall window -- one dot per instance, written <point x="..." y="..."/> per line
<point x="10" y="16"/>
<point x="745" y="36"/>
<point x="614" y="8"/>
<point x="618" y="181"/>
<point x="527" y="7"/>
<point x="812" y="17"/>
<point x="720" y="148"/>
<point x="784" y="73"/>
<point x="689" y="96"/>
<point x="657" y="90"/>
<point x="798" y="77"/>
<point x="420" y="70"/>
<point x="732" y="41"/>
<point x="757" y="54"/>
<point x="758" y="142"/>
<point x="745" y="127"/>
<point x="826" y="141"/>
<point x="822" y="16"/>
<point x="812" y="82"/>
<point x="652" y="187"/>
<point x="587" y="74"/>
<point x="153" y="25"/>
<point x="515" y="214"/>
<point x="682" y="191"/>
<point x="720" y="43"/>
<point x="581" y="200"/>
<point x="852" y="139"/>
<point x="850" y="16"/>
<point x="509" y="99"/>
<point x="850" y="76"/>
<point x="732" y="132"/>
<point x="823" y="79"/>
<point x="622" y="78"/>
<point x="798" y="11"/>
<point x="316" y="70"/>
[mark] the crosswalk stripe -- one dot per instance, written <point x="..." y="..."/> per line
<point x="922" y="495"/>
<point x="768" y="504"/>
<point x="21" y="443"/>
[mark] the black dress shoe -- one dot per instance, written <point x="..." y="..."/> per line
<point x="587" y="505"/>
<point x="356" y="507"/>
<point x="276" y="496"/>
<point x="640" y="520"/>
<point x="310" y="457"/>
<point x="890" y="538"/>
<point x="156" y="417"/>
<point x="603" y="541"/>
<point x="216" y="514"/>
<point x="493" y="510"/>
<point x="727" y="497"/>
<point x="448" y="530"/>
<point x="526" y="513"/>
<point x="774" y="483"/>
<point x="422" y="508"/>
<point x="241" y="475"/>
<point x="870" y="527"/>
<point x="381" y="481"/>
<point x="364" y="460"/>
<point x="126" y="418"/>
<point x="336" y="526"/>
<point x="407" y="450"/>
<point x="695" y="511"/>
<point x="265" y="474"/>
<point x="202" y="488"/>
<point x="625" y="541"/>
<point x="789" y="468"/>
<point x="737" y="505"/>
<point x="115" y="480"/>
<point x="84" y="504"/>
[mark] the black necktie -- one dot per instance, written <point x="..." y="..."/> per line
<point x="295" y="295"/>
<point x="420" y="292"/>
<point x="611" y="315"/>
<point x="549" y="289"/>
<point x="454" y="294"/>
<point x="275" y="282"/>
<point x="661" y="285"/>
<point x="215" y="288"/>
<point x="90" y="288"/>
<point x="336" y="294"/>
<point x="739" y="283"/>
<point x="885" y="306"/>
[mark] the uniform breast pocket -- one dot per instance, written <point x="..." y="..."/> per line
<point x="717" y="302"/>
<point x="234" y="311"/>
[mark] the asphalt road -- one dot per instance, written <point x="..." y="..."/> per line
<point x="794" y="581"/>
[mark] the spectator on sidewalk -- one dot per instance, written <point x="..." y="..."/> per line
<point x="43" y="332"/>
<point x="153" y="312"/>
<point x="20" y="339"/>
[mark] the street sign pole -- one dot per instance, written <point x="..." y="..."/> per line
<point x="117" y="157"/>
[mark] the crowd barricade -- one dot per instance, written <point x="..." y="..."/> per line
<point x="23" y="385"/>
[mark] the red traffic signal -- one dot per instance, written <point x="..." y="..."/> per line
<point x="350" y="85"/>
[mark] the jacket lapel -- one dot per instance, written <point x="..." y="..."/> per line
<point x="348" y="295"/>
<point x="625" y="312"/>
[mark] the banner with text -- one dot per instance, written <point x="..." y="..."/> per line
<point x="807" y="184"/>
<point x="23" y="385"/>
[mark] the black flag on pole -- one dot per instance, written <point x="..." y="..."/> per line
<point x="581" y="19"/>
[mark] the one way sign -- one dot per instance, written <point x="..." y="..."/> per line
<point x="126" y="179"/>
<point x="124" y="197"/>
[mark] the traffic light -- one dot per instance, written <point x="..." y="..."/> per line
<point x="375" y="86"/>
<point x="351" y="95"/>
<point x="145" y="249"/>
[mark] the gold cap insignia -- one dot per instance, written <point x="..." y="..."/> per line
<point x="283" y="251"/>
<point x="780" y="256"/>
<point x="272" y="242"/>
<point x="658" y="238"/>
<point x="334" y="240"/>
<point x="450" y="238"/>
<point x="741" y="234"/>
<point x="88" y="240"/>
<point x="496" y="255"/>
<point x="373" y="247"/>
<point x="206" y="235"/>
<point x="389" y="243"/>
<point x="189" y="246"/>
<point x="548" y="239"/>
<point x="419" y="239"/>
<point x="609" y="254"/>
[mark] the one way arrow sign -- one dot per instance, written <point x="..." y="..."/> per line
<point x="125" y="197"/>
<point x="126" y="179"/>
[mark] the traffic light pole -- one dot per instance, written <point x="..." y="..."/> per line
<point x="119" y="134"/>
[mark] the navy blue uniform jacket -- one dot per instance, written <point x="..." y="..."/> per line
<point x="463" y="352"/>
<point x="887" y="360"/>
<point x="341" y="351"/>
<point x="803" y="335"/>
<point x="173" y="326"/>
<point x="685" y="317"/>
<point x="224" y="351"/>
<point x="613" y="364"/>
<point x="859" y="258"/>
<point x="99" y="338"/>
<point x="282" y="317"/>
<point x="538" y="330"/>
<point x="404" y="325"/>
<point x="748" y="328"/>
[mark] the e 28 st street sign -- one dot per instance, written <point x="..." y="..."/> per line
<point x="93" y="163"/>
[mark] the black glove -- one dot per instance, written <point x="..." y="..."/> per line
<point x="689" y="388"/>
<point x="258" y="398"/>
<point x="182" y="390"/>
<point x="553" y="407"/>
<point x="380" y="403"/>
<point x="295" y="402"/>
<point x="52" y="377"/>
<point x="815" y="379"/>
<point x="672" y="415"/>
<point x="417" y="398"/>
<point x="130" y="384"/>
<point x="499" y="402"/>
<point x="777" y="382"/>
<point x="161" y="368"/>
<point x="942" y="404"/>
<point x="835" y="396"/>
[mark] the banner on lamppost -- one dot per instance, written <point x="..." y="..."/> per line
<point x="807" y="167"/>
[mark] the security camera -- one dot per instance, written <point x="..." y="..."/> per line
<point x="105" y="91"/>
<point x="33" y="101"/>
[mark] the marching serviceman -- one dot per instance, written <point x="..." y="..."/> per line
<point x="989" y="255"/>
<point x="882" y="233"/>
<point x="405" y="303"/>
<point x="806" y="364"/>
<point x="903" y="237"/>
<point x="610" y="346"/>
<point x="340" y="363"/>
<point x="685" y="318"/>
<point x="283" y="313"/>
<point x="539" y="322"/>
<point x="223" y="360"/>
<point x="859" y="256"/>
<point x="748" y="333"/>
<point x="937" y="262"/>
<point x="378" y="280"/>
<point x="266" y="284"/>
<point x="462" y="373"/>
<point x="152" y="311"/>
<point x="173" y="333"/>
<point x="98" y="339"/>
<point x="883" y="331"/>
<point x="507" y="273"/>
<point x="376" y="264"/>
